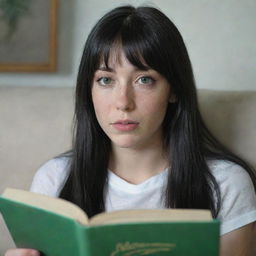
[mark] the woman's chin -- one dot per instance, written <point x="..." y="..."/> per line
<point x="125" y="143"/>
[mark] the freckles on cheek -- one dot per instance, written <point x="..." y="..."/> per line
<point x="101" y="107"/>
<point x="155" y="107"/>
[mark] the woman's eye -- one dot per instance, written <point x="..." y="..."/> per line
<point x="105" y="81"/>
<point x="146" y="80"/>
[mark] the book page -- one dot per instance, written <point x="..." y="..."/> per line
<point x="51" y="204"/>
<point x="68" y="209"/>
<point x="151" y="215"/>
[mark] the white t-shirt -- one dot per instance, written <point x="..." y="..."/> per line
<point x="237" y="191"/>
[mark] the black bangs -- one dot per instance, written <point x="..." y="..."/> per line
<point x="131" y="34"/>
<point x="132" y="49"/>
<point x="136" y="49"/>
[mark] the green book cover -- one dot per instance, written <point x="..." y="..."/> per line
<point x="56" y="227"/>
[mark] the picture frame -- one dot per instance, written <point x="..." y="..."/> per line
<point x="28" y="41"/>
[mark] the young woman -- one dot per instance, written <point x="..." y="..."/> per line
<point x="139" y="140"/>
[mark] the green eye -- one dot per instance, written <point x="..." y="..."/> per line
<point x="145" y="80"/>
<point x="105" y="80"/>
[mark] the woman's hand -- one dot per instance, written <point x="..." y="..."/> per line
<point x="22" y="252"/>
<point x="238" y="242"/>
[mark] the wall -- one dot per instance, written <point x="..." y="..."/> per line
<point x="218" y="34"/>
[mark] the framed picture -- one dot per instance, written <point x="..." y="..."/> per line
<point x="28" y="35"/>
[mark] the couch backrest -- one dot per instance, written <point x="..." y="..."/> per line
<point x="230" y="116"/>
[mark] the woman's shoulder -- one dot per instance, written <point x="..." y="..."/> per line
<point x="227" y="171"/>
<point x="238" y="198"/>
<point x="51" y="176"/>
<point x="230" y="176"/>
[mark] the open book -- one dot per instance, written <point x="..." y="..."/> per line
<point x="59" y="228"/>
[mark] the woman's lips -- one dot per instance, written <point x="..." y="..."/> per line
<point x="125" y="125"/>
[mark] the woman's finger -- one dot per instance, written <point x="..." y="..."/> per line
<point x="22" y="252"/>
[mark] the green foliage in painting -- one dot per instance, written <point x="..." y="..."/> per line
<point x="11" y="12"/>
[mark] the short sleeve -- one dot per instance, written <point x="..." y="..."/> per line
<point x="238" y="199"/>
<point x="51" y="177"/>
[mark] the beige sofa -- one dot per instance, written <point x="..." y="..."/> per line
<point x="35" y="125"/>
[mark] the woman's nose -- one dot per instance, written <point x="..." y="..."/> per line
<point x="125" y="99"/>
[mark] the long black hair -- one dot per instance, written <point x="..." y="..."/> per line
<point x="145" y="35"/>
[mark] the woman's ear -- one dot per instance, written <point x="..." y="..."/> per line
<point x="172" y="98"/>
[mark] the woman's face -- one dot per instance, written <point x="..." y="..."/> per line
<point x="130" y="104"/>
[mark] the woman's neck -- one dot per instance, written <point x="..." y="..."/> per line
<point x="136" y="166"/>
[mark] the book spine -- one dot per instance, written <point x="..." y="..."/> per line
<point x="83" y="240"/>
